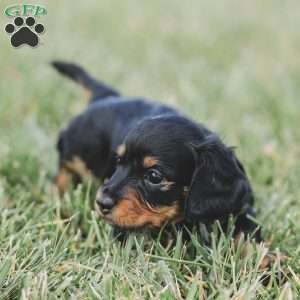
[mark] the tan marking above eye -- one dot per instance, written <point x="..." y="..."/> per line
<point x="149" y="161"/>
<point x="121" y="149"/>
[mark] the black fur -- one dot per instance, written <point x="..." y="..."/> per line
<point x="188" y="155"/>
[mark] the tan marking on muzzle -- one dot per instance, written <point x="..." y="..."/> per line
<point x="132" y="212"/>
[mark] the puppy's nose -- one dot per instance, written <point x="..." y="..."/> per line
<point x="105" y="204"/>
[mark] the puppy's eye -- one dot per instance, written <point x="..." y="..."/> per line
<point x="154" y="176"/>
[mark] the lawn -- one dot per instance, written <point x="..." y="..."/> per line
<point x="232" y="65"/>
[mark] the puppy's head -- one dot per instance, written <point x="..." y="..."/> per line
<point x="171" y="170"/>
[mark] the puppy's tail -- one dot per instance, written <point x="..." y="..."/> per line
<point x="98" y="89"/>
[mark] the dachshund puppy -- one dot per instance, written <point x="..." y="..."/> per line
<point x="160" y="167"/>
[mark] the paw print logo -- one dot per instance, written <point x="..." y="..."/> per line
<point x="24" y="33"/>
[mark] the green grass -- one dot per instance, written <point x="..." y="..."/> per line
<point x="232" y="65"/>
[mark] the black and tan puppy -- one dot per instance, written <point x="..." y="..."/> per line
<point x="160" y="166"/>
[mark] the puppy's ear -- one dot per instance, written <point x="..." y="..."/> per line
<point x="219" y="186"/>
